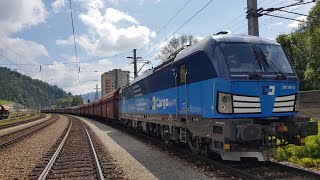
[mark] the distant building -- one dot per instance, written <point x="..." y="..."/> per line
<point x="112" y="80"/>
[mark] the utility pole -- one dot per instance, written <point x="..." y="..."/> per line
<point x="135" y="60"/>
<point x="135" y="63"/>
<point x="252" y="16"/>
<point x="96" y="96"/>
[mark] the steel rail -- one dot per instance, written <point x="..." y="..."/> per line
<point x="21" y="122"/>
<point x="46" y="170"/>
<point x="25" y="134"/>
<point x="157" y="142"/>
<point x="218" y="164"/>
<point x="294" y="170"/>
<point x="100" y="175"/>
<point x="50" y="164"/>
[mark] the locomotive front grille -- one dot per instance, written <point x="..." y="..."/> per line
<point x="284" y="104"/>
<point x="246" y="104"/>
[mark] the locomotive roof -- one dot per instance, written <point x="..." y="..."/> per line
<point x="243" y="38"/>
<point x="207" y="43"/>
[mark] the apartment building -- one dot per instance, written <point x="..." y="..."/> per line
<point x="113" y="79"/>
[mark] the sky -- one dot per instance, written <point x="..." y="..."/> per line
<point x="36" y="37"/>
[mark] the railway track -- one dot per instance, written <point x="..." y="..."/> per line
<point x="273" y="170"/>
<point x="227" y="169"/>
<point x="22" y="122"/>
<point x="10" y="138"/>
<point x="76" y="156"/>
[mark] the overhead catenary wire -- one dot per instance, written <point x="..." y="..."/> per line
<point x="73" y="32"/>
<point x="269" y="10"/>
<point x="244" y="25"/>
<point x="74" y="41"/>
<point x="93" y="59"/>
<point x="284" y="17"/>
<point x="292" y="12"/>
<point x="15" y="52"/>
<point x="235" y="19"/>
<point x="180" y="27"/>
<point x="269" y="20"/>
<point x="14" y="63"/>
<point x="160" y="30"/>
<point x="221" y="28"/>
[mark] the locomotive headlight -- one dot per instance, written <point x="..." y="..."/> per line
<point x="296" y="104"/>
<point x="224" y="103"/>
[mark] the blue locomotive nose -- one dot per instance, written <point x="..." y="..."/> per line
<point x="263" y="98"/>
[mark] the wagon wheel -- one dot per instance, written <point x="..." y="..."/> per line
<point x="194" y="145"/>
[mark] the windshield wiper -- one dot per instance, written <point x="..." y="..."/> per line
<point x="266" y="58"/>
<point x="253" y="73"/>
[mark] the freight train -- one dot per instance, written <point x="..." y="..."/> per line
<point x="236" y="96"/>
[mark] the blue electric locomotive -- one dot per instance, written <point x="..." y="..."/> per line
<point x="233" y="95"/>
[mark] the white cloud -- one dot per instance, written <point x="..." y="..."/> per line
<point x="66" y="76"/>
<point x="64" y="41"/>
<point x="105" y="34"/>
<point x="20" y="51"/>
<point x="26" y="48"/>
<point x="18" y="14"/>
<point x="15" y="16"/>
<point x="140" y="2"/>
<point x="57" y="5"/>
<point x="114" y="16"/>
<point x="276" y="24"/>
<point x="295" y="24"/>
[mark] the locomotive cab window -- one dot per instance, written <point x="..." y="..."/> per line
<point x="182" y="70"/>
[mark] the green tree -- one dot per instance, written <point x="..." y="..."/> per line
<point x="303" y="49"/>
<point x="296" y="48"/>
<point x="175" y="45"/>
<point x="32" y="93"/>
<point x="312" y="74"/>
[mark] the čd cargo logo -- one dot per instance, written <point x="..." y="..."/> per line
<point x="268" y="90"/>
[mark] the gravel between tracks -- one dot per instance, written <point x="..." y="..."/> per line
<point x="140" y="161"/>
<point x="18" y="160"/>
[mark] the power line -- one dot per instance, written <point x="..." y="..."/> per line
<point x="14" y="64"/>
<point x="276" y="4"/>
<point x="284" y="17"/>
<point x="158" y="32"/>
<point x="221" y="28"/>
<point x="74" y="38"/>
<point x="268" y="10"/>
<point x="93" y="59"/>
<point x="180" y="27"/>
<point x="17" y="53"/>
<point x="267" y="21"/>
<point x="293" y="12"/>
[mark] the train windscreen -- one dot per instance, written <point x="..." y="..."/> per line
<point x="246" y="58"/>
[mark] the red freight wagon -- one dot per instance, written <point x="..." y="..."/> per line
<point x="97" y="108"/>
<point x="110" y="105"/>
<point x="90" y="106"/>
<point x="86" y="110"/>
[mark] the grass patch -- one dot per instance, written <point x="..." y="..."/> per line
<point x="307" y="155"/>
<point x="18" y="117"/>
<point x="5" y="102"/>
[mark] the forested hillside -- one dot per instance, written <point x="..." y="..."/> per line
<point x="303" y="49"/>
<point x="32" y="93"/>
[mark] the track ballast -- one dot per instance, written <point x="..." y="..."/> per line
<point x="77" y="156"/>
